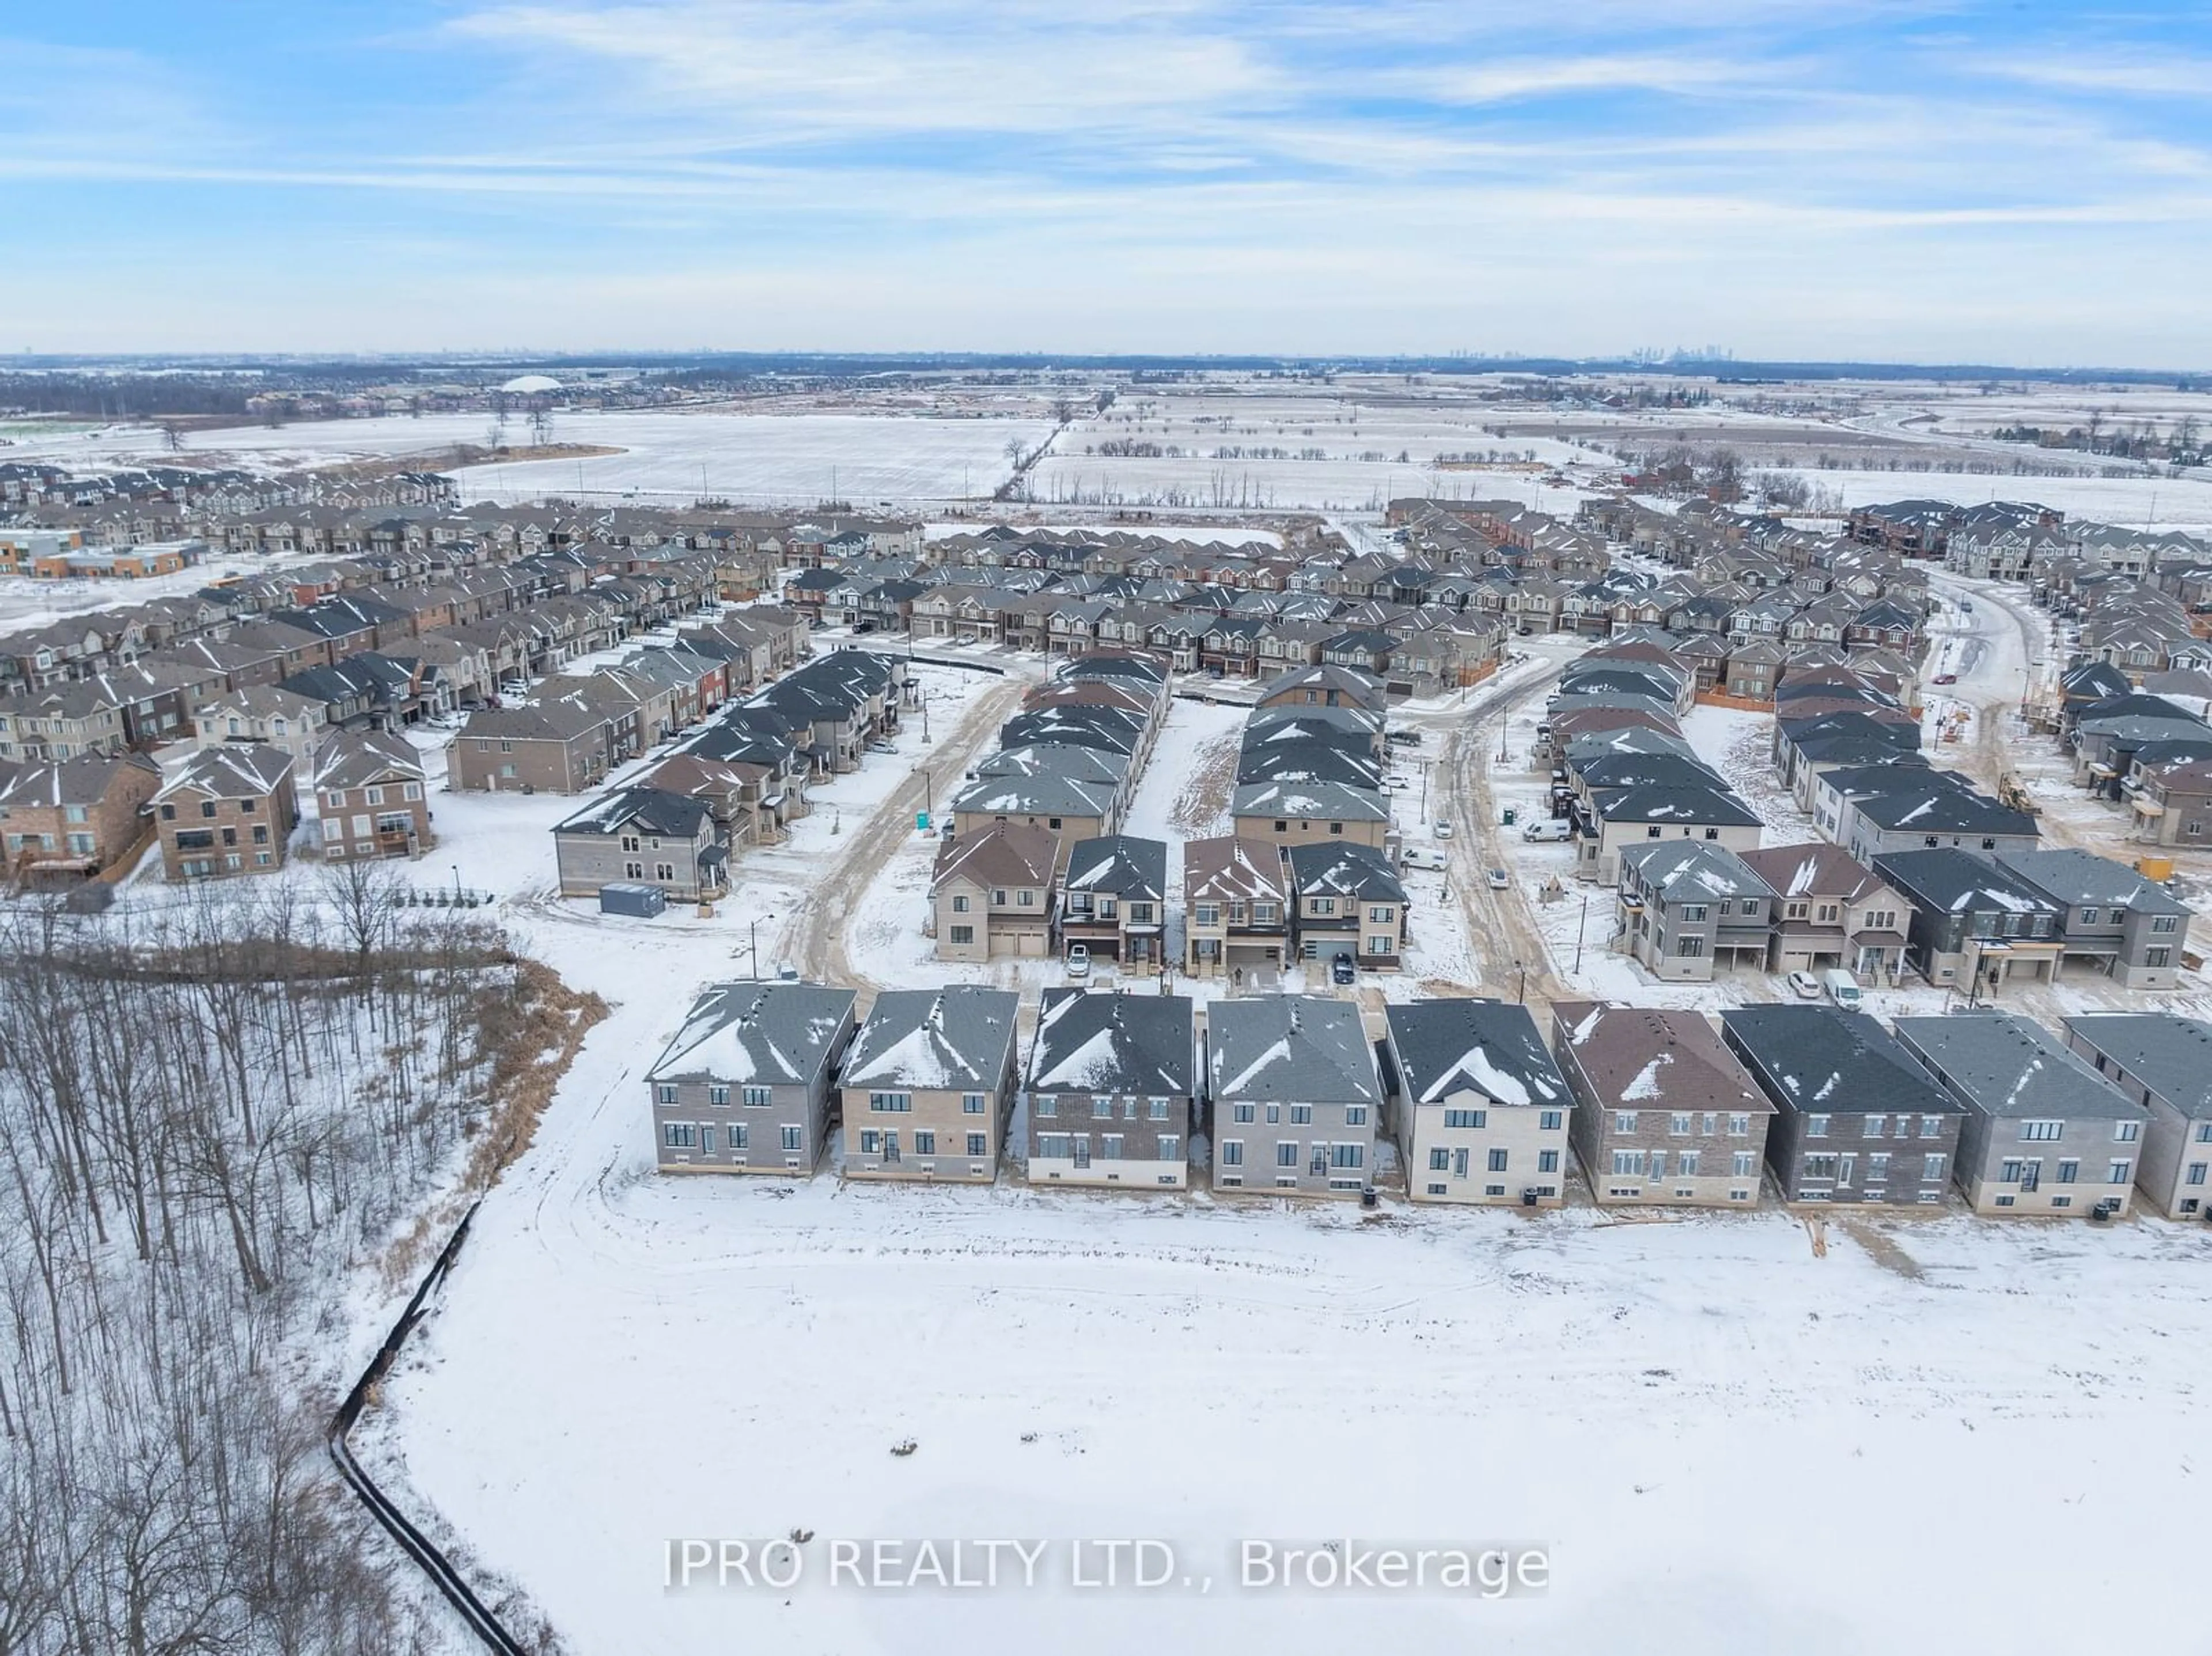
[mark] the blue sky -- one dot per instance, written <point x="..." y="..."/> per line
<point x="2021" y="183"/>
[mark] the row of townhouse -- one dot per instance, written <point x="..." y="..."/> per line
<point x="1033" y="860"/>
<point x="1298" y="1095"/>
<point x="1974" y="920"/>
<point x="1623" y="776"/>
<point x="737" y="782"/>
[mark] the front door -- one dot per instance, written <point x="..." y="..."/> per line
<point x="2031" y="1175"/>
<point x="1845" y="1166"/>
<point x="890" y="1148"/>
<point x="1082" y="1149"/>
<point x="1459" y="1164"/>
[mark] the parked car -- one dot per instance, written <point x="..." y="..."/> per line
<point x="1547" y="831"/>
<point x="1442" y="830"/>
<point x="1499" y="879"/>
<point x="1078" y="960"/>
<point x="1342" y="969"/>
<point x="1804" y="986"/>
<point x="1947" y="678"/>
<point x="1422" y="857"/>
<point x="882" y="747"/>
<point x="1412" y="739"/>
<point x="1843" y="988"/>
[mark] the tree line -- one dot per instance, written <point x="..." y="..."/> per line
<point x="211" y="1113"/>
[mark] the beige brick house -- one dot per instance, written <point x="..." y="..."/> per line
<point x="928" y="1085"/>
<point x="229" y="811"/>
<point x="372" y="797"/>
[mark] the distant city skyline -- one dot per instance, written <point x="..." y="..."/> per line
<point x="1890" y="182"/>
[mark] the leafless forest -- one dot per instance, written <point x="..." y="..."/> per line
<point x="209" y="1114"/>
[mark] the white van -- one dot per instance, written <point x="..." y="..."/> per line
<point x="1843" y="988"/>
<point x="1424" y="857"/>
<point x="1547" y="831"/>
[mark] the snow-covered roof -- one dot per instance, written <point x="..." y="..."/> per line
<point x="763" y="1034"/>
<point x="1448" y="1046"/>
<point x="1099" y="1041"/>
<point x="1293" y="1048"/>
<point x="935" y="1040"/>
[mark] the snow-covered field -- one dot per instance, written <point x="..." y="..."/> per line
<point x="1348" y="447"/>
<point x="665" y="458"/>
<point x="2166" y="502"/>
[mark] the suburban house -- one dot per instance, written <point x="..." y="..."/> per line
<point x="928" y="1083"/>
<point x="229" y="811"/>
<point x="67" y="819"/>
<point x="371" y="795"/>
<point x="1349" y="901"/>
<point x="1915" y="809"/>
<point x="1325" y="687"/>
<point x="1973" y="922"/>
<point x="1069" y="808"/>
<point x="991" y="893"/>
<point x="1113" y="1080"/>
<point x="745" y="1086"/>
<point x="1113" y="898"/>
<point x="556" y="747"/>
<point x="1296" y="1097"/>
<point x="1857" y="1120"/>
<point x="264" y="713"/>
<point x="1687" y="906"/>
<point x="2127" y="926"/>
<point x="1289" y="813"/>
<point x="1831" y="910"/>
<point x="2043" y="1132"/>
<point x="641" y="836"/>
<point x="2164" y="1063"/>
<point x="1482" y="1107"/>
<point x="1615" y="818"/>
<point x="1235" y="906"/>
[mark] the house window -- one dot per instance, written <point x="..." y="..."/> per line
<point x="1678" y="1125"/>
<point x="1873" y="1126"/>
<point x="1931" y="1126"/>
<point x="2195" y="1175"/>
<point x="1547" y="1161"/>
<point x="664" y="1093"/>
<point x="960" y="903"/>
<point x="1301" y="1115"/>
<point x="1466" y="1118"/>
<point x="1286" y="1153"/>
<point x="1241" y="1113"/>
<point x="2120" y="1172"/>
<point x="1931" y="1168"/>
<point x="971" y="1103"/>
<point x="1498" y="1159"/>
<point x="1355" y="1115"/>
<point x="1025" y="898"/>
<point x="871" y="1142"/>
<point x="718" y="1094"/>
<point x="758" y="1098"/>
<point x="1263" y="913"/>
<point x="1439" y="1160"/>
<point x="1170" y="1148"/>
<point x="1742" y="1164"/>
<point x="1623" y="1121"/>
<point x="1232" y="1152"/>
<point x="678" y="1134"/>
<point x="890" y="1103"/>
<point x="2035" y="1132"/>
<point x="963" y="934"/>
<point x="1347" y="1155"/>
<point x="2165" y="923"/>
<point x="924" y="1141"/>
<point x="794" y="1138"/>
<point x="1157" y="1109"/>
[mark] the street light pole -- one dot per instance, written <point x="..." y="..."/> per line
<point x="753" y="946"/>
<point x="1520" y="994"/>
<point x="1581" y="925"/>
<point x="456" y="867"/>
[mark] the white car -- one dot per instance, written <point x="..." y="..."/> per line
<point x="1442" y="830"/>
<point x="1804" y="986"/>
<point x="1078" y="960"/>
<point x="1499" y="879"/>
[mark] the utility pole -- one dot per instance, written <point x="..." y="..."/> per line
<point x="753" y="946"/>
<point x="1520" y="994"/>
<point x="1581" y="925"/>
